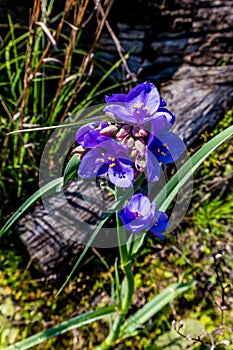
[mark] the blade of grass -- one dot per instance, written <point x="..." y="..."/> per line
<point x="48" y="189"/>
<point x="63" y="327"/>
<point x="87" y="101"/>
<point x="15" y="53"/>
<point x="152" y="307"/>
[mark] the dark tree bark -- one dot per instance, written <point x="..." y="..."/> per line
<point x="186" y="49"/>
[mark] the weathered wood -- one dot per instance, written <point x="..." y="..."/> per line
<point x="55" y="237"/>
<point x="186" y="49"/>
<point x="199" y="33"/>
<point x="198" y="96"/>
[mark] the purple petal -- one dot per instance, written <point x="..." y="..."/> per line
<point x="90" y="164"/>
<point x="162" y="102"/>
<point x="121" y="112"/>
<point x="152" y="166"/>
<point x="125" y="161"/>
<point x="126" y="216"/>
<point x="160" y="225"/>
<point x="158" y="125"/>
<point x="145" y="93"/>
<point x="137" y="91"/>
<point x="93" y="138"/>
<point x="89" y="135"/>
<point x="140" y="203"/>
<point x="165" y="113"/>
<point x="138" y="225"/>
<point x="121" y="176"/>
<point x="132" y="223"/>
<point x="115" y="98"/>
<point x="81" y="132"/>
<point x="114" y="149"/>
<point x="168" y="148"/>
<point x="140" y="104"/>
<point x="102" y="170"/>
<point x="138" y="215"/>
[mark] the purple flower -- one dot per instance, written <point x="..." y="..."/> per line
<point x="109" y="157"/>
<point x="89" y="135"/>
<point x="139" y="214"/>
<point x="164" y="112"/>
<point x="163" y="146"/>
<point x="141" y="105"/>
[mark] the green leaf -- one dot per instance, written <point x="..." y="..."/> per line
<point x="63" y="327"/>
<point x="184" y="173"/>
<point x="134" y="244"/>
<point x="71" y="169"/>
<point x="52" y="187"/>
<point x="152" y="307"/>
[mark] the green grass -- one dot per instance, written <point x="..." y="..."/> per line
<point x="41" y="86"/>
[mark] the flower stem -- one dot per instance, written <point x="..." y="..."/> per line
<point x="128" y="283"/>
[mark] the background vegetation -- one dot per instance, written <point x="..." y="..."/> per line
<point x="47" y="75"/>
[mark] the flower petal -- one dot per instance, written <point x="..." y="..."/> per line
<point x="132" y="223"/>
<point x="152" y="166"/>
<point x="160" y="225"/>
<point x="139" y="105"/>
<point x="115" y="98"/>
<point x="135" y="217"/>
<point x="141" y="203"/>
<point x="121" y="176"/>
<point x="121" y="112"/>
<point x="126" y="216"/>
<point x="89" y="135"/>
<point x="158" y="125"/>
<point x="162" y="102"/>
<point x="93" y="138"/>
<point x="125" y="161"/>
<point x="115" y="149"/>
<point x="81" y="132"/>
<point x="165" y="113"/>
<point x="90" y="164"/>
<point x="145" y="93"/>
<point x="167" y="148"/>
<point x="102" y="170"/>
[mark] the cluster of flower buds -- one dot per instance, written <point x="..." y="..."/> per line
<point x="136" y="139"/>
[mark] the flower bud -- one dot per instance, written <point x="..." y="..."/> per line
<point x="110" y="130"/>
<point x="133" y="154"/>
<point x="130" y="142"/>
<point x="139" y="132"/>
<point x="79" y="150"/>
<point x="124" y="131"/>
<point x="124" y="141"/>
<point x="139" y="145"/>
<point x="140" y="163"/>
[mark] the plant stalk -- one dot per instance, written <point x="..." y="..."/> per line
<point x="128" y="283"/>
